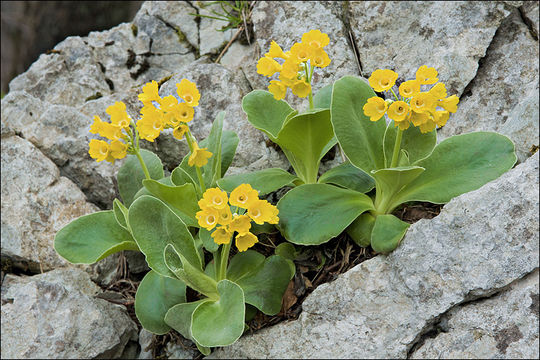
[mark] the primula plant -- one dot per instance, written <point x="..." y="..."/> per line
<point x="402" y="157"/>
<point x="172" y="220"/>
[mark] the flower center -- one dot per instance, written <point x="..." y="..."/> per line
<point x="156" y="125"/>
<point x="210" y="220"/>
<point x="384" y="82"/>
<point x="184" y="114"/>
<point x="103" y="150"/>
<point x="381" y="108"/>
<point x="315" y="44"/>
<point x="188" y="98"/>
<point x="241" y="199"/>
<point x="255" y="213"/>
<point x="419" y="103"/>
<point x="218" y="200"/>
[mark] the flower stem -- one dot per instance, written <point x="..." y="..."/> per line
<point x="225" y="249"/>
<point x="397" y="146"/>
<point x="392" y="90"/>
<point x="143" y="165"/>
<point x="309" y="74"/>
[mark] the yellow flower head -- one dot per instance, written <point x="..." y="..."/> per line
<point x="243" y="196"/>
<point x="207" y="218"/>
<point x="278" y="89"/>
<point x="150" y="93"/>
<point x="426" y="75"/>
<point x="118" y="149"/>
<point x="403" y="125"/>
<point x="199" y="157"/>
<point x="150" y="124"/>
<point x="449" y="104"/>
<point x="180" y="131"/>
<point x="98" y="149"/>
<point x="262" y="211"/>
<point x="110" y="131"/>
<point x="225" y="216"/>
<point x="427" y="127"/>
<point x="409" y="88"/>
<point x="301" y="52"/>
<point x="267" y="66"/>
<point x="418" y="119"/>
<point x="241" y="224"/>
<point x="118" y="113"/>
<point x="222" y="235"/>
<point x="184" y="112"/>
<point x="245" y="241"/>
<point x="422" y="102"/>
<point x="289" y="71"/>
<point x="319" y="58"/>
<point x="216" y="198"/>
<point x="440" y="117"/>
<point x="301" y="88"/>
<point x="375" y="108"/>
<point x="97" y="125"/>
<point x="315" y="39"/>
<point x="438" y="91"/>
<point x="188" y="92"/>
<point x="382" y="80"/>
<point x="276" y="51"/>
<point x="398" y="111"/>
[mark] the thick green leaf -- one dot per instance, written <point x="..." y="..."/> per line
<point x="179" y="317"/>
<point x="312" y="214"/>
<point x="389" y="182"/>
<point x="459" y="164"/>
<point x="266" y="113"/>
<point x="417" y="145"/>
<point x="286" y="250"/>
<point x="323" y="98"/>
<point x="264" y="181"/>
<point x="360" y="138"/>
<point x="207" y="240"/>
<point x="265" y="287"/>
<point x="244" y="263"/>
<point x="265" y="228"/>
<point x="131" y="175"/>
<point x="92" y="237"/>
<point x="229" y="142"/>
<point x="361" y="228"/>
<point x="387" y="233"/>
<point x="182" y="198"/>
<point x="220" y="323"/>
<point x="120" y="214"/>
<point x="348" y="176"/>
<point x="180" y="176"/>
<point x="154" y="225"/>
<point x="303" y="139"/>
<point x="156" y="294"/>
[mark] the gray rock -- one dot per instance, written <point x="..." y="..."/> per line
<point x="179" y="351"/>
<point x="55" y="315"/>
<point x="240" y="56"/>
<point x="529" y="11"/>
<point x="502" y="327"/>
<point x="504" y="94"/>
<point x="450" y="36"/>
<point x="383" y="306"/>
<point x="212" y="40"/>
<point x="145" y="339"/>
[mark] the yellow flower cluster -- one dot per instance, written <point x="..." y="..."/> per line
<point x="415" y="106"/>
<point x="297" y="68"/>
<point x="116" y="149"/>
<point x="215" y="210"/>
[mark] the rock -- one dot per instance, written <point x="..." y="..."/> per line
<point x="529" y="12"/>
<point x="55" y="315"/>
<point x="504" y="94"/>
<point x="382" y="307"/>
<point x="145" y="340"/>
<point x="450" y="36"/>
<point x="240" y="56"/>
<point x="212" y="40"/>
<point x="504" y="326"/>
<point x="179" y="351"/>
<point x="136" y="262"/>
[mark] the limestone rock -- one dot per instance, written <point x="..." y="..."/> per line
<point x="55" y="315"/>
<point x="504" y="95"/>
<point x="450" y="36"/>
<point x="145" y="339"/>
<point x="179" y="351"/>
<point x="502" y="327"/>
<point x="212" y="40"/>
<point x="529" y="11"/>
<point x="381" y="307"/>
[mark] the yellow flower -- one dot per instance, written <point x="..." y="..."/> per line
<point x="245" y="241"/>
<point x="403" y="125"/>
<point x="427" y="127"/>
<point x="426" y="75"/>
<point x="440" y="117"/>
<point x="118" y="149"/>
<point x="180" y="131"/>
<point x="199" y="157"/>
<point x="438" y="91"/>
<point x="262" y="211"/>
<point x="289" y="71"/>
<point x="409" y="88"/>
<point x="422" y="102"/>
<point x="222" y="235"/>
<point x="188" y="92"/>
<point x="241" y="224"/>
<point x="449" y="104"/>
<point x="97" y="125"/>
<point x="267" y="66"/>
<point x="300" y="52"/>
<point x="375" y="108"/>
<point x="216" y="198"/>
<point x="243" y="196"/>
<point x="110" y="131"/>
<point x="319" y="58"/>
<point x="418" y="119"/>
<point x="382" y="80"/>
<point x="278" y="89"/>
<point x="98" y="149"/>
<point x="276" y="51"/>
<point x="150" y="93"/>
<point x="398" y="111"/>
<point x="150" y="124"/>
<point x="119" y="116"/>
<point x="301" y="88"/>
<point x="184" y="112"/>
<point x="315" y="39"/>
<point x="225" y="216"/>
<point x="207" y="218"/>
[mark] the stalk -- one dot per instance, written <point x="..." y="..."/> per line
<point x="397" y="146"/>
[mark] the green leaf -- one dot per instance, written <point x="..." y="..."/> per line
<point x="304" y="139"/>
<point x="181" y="176"/>
<point x="312" y="214"/>
<point x="266" y="113"/>
<point x="154" y="225"/>
<point x="265" y="287"/>
<point x="120" y="214"/>
<point x="348" y="176"/>
<point x="286" y="250"/>
<point x="389" y="182"/>
<point x="208" y="240"/>
<point x="244" y="263"/>
<point x="156" y="294"/>
<point x="92" y="237"/>
<point x="212" y="169"/>
<point x="361" y="228"/>
<point x="417" y="145"/>
<point x="360" y="138"/>
<point x="458" y="165"/>
<point x="229" y="142"/>
<point x="323" y="98"/>
<point x="265" y="228"/>
<point x="264" y="181"/>
<point x="131" y="175"/>
<point x="387" y="233"/>
<point x="179" y="317"/>
<point x="182" y="198"/>
<point x="220" y="323"/>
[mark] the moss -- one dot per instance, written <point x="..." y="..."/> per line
<point x="94" y="97"/>
<point x="166" y="78"/>
<point x="134" y="29"/>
